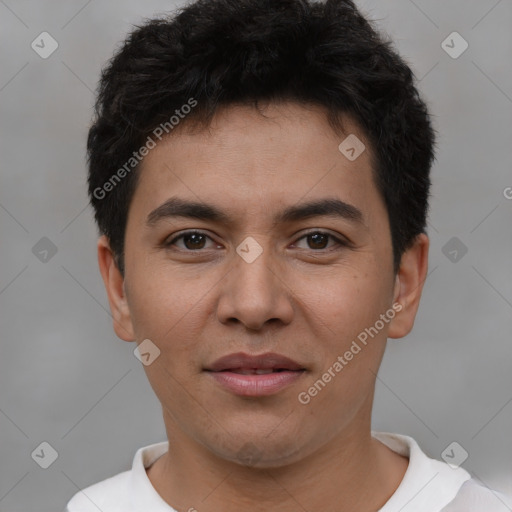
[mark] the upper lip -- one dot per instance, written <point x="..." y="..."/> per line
<point x="268" y="361"/>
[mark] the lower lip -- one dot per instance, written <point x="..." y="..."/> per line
<point x="256" y="385"/>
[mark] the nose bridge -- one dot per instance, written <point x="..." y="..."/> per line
<point x="254" y="291"/>
<point x="255" y="269"/>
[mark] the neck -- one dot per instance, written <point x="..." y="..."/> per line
<point x="354" y="472"/>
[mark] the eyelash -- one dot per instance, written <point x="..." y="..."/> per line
<point x="339" y="242"/>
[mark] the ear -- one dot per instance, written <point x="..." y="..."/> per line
<point x="409" y="285"/>
<point x="114" y="285"/>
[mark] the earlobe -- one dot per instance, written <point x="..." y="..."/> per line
<point x="409" y="286"/>
<point x="115" y="287"/>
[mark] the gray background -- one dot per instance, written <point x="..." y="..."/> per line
<point x="67" y="380"/>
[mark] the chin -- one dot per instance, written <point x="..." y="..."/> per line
<point x="258" y="450"/>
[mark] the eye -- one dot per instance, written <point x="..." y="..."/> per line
<point x="196" y="240"/>
<point x="318" y="240"/>
<point x="192" y="240"/>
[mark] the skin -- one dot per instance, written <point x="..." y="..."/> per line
<point x="304" y="298"/>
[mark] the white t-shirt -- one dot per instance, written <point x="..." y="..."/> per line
<point x="428" y="485"/>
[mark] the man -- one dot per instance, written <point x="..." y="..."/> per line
<point x="259" y="172"/>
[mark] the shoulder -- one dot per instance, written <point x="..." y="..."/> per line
<point x="108" y="495"/>
<point x="430" y="484"/>
<point x="474" y="497"/>
<point x="128" y="491"/>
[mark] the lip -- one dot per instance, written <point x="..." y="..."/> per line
<point x="267" y="361"/>
<point x="226" y="371"/>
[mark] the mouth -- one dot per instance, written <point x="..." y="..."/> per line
<point x="262" y="375"/>
<point x="256" y="371"/>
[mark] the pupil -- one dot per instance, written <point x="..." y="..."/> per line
<point x="195" y="239"/>
<point x="316" y="238"/>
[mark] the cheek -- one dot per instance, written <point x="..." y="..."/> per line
<point x="343" y="312"/>
<point x="164" y="300"/>
<point x="350" y="350"/>
<point x="347" y="301"/>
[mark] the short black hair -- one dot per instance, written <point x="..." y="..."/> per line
<point x="216" y="53"/>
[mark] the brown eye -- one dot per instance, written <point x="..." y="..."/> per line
<point x="319" y="240"/>
<point x="192" y="241"/>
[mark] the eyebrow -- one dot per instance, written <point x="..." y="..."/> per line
<point x="329" y="207"/>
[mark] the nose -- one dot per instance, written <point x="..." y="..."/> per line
<point x="256" y="293"/>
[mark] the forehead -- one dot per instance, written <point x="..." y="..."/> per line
<point x="252" y="163"/>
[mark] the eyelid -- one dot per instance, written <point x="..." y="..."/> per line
<point x="168" y="243"/>
<point x="339" y="239"/>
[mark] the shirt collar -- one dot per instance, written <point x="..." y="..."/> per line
<point x="143" y="494"/>
<point x="427" y="486"/>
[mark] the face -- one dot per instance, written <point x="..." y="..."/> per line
<point x="290" y="256"/>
